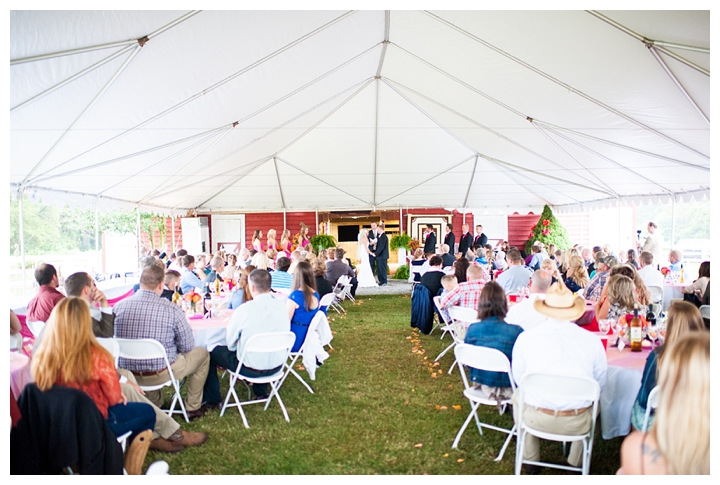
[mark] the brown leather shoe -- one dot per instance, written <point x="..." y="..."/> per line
<point x="190" y="438"/>
<point x="198" y="413"/>
<point x="135" y="455"/>
<point x="161" y="444"/>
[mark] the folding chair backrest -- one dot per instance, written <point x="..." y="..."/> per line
<point x="35" y="326"/>
<point x="142" y="349"/>
<point x="15" y="342"/>
<point x="270" y="342"/>
<point x="483" y="358"/>
<point x="561" y="387"/>
<point x="652" y="402"/>
<point x="441" y="310"/>
<point x="463" y="314"/>
<point x="656" y="292"/>
<point x="112" y="346"/>
<point x="327" y="300"/>
<point x="344" y="280"/>
<point x="705" y="311"/>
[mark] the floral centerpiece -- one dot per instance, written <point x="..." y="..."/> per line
<point x="192" y="298"/>
<point x="414" y="244"/>
<point x="627" y="319"/>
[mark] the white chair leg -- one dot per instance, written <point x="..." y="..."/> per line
<point x="445" y="351"/>
<point x="473" y="412"/>
<point x="507" y="442"/>
<point x="519" y="449"/>
<point x="452" y="367"/>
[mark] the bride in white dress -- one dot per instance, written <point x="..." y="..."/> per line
<point x="365" y="275"/>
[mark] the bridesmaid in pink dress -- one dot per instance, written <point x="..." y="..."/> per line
<point x="257" y="244"/>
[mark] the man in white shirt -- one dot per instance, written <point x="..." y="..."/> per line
<point x="649" y="274"/>
<point x="654" y="243"/>
<point x="262" y="314"/>
<point x="517" y="275"/>
<point x="243" y="258"/>
<point x="557" y="347"/>
<point x="524" y="313"/>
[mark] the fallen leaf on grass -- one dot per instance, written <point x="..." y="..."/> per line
<point x="446" y="455"/>
<point x="457" y="406"/>
<point x="419" y="445"/>
<point x="449" y="386"/>
<point x="433" y="375"/>
<point x="439" y="371"/>
<point x="413" y="390"/>
<point x="460" y="460"/>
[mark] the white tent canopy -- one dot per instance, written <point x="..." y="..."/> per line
<point x="252" y="111"/>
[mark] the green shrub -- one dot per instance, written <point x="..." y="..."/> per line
<point x="400" y="241"/>
<point x="322" y="241"/>
<point x="402" y="273"/>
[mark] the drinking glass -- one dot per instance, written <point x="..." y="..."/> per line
<point x="604" y="325"/>
<point x="652" y="333"/>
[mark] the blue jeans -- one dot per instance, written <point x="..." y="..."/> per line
<point x="223" y="357"/>
<point x="133" y="416"/>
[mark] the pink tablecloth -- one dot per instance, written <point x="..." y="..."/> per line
<point x="20" y="374"/>
<point x="210" y="332"/>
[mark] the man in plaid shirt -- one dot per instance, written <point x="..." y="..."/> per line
<point x="147" y="315"/>
<point x="466" y="294"/>
<point x="596" y="285"/>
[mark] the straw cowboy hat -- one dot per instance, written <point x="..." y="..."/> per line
<point x="560" y="303"/>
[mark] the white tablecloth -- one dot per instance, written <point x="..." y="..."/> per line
<point x="617" y="399"/>
<point x="672" y="291"/>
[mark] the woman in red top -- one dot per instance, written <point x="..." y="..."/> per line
<point x="70" y="356"/>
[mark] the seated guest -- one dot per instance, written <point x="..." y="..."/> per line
<point x="597" y="282"/>
<point x="491" y="331"/>
<point x="620" y="299"/>
<point x="260" y="261"/>
<point x="144" y="262"/>
<point x="694" y="293"/>
<point x="461" y="266"/>
<point x="42" y="304"/>
<point x="449" y="282"/>
<point x="500" y="262"/>
<point x="230" y="270"/>
<point x="171" y="259"/>
<point x="523" y="313"/>
<point x="577" y="276"/>
<point x="642" y="292"/>
<point x="322" y="285"/>
<point x="147" y="315"/>
<point x="447" y="258"/>
<point x="243" y="258"/>
<point x="648" y="272"/>
<point x="591" y="267"/>
<point x="516" y="276"/>
<point x="217" y="266"/>
<point x="599" y="256"/>
<point x="172" y="284"/>
<point x="202" y="268"/>
<point x="263" y="314"/>
<point x="177" y="264"/>
<point x="551" y="249"/>
<point x="550" y="266"/>
<point x="418" y="260"/>
<point x="337" y="268"/>
<point x="303" y="302"/>
<point x="431" y="278"/>
<point x="271" y="255"/>
<point x="188" y="278"/>
<point x="83" y="286"/>
<point x="675" y="258"/>
<point x="466" y="294"/>
<point x="632" y="258"/>
<point x="682" y="318"/>
<point x="71" y="356"/>
<point x="241" y="293"/>
<point x="295" y="258"/>
<point x="538" y="255"/>
<point x="557" y="347"/>
<point x="281" y="279"/>
<point x="679" y="441"/>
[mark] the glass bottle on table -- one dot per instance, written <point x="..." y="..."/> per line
<point x="682" y="274"/>
<point x="176" y="298"/>
<point x="635" y="332"/>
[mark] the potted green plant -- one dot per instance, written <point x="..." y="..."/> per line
<point x="401" y="244"/>
<point x="322" y="241"/>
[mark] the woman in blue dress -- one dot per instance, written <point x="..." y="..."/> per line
<point x="303" y="303"/>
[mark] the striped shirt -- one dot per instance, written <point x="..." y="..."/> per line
<point x="281" y="279"/>
<point x="147" y="315"/>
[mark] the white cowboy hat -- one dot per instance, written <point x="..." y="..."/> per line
<point x="560" y="303"/>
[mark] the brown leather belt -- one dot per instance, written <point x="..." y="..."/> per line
<point x="145" y="374"/>
<point x="566" y="412"/>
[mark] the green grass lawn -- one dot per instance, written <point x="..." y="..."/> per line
<point x="380" y="407"/>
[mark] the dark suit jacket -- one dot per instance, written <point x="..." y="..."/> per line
<point x="371" y="235"/>
<point x="450" y="241"/>
<point x="448" y="260"/>
<point x="480" y="241"/>
<point x="381" y="251"/>
<point x="336" y="269"/>
<point x="430" y="243"/>
<point x="105" y="327"/>
<point x="466" y="242"/>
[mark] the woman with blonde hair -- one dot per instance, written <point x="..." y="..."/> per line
<point x="256" y="242"/>
<point x="550" y="266"/>
<point x="260" y="260"/>
<point x="577" y="276"/>
<point x="231" y="271"/>
<point x="642" y="292"/>
<point x="69" y="355"/>
<point x="682" y="318"/>
<point x="619" y="299"/>
<point x="679" y="441"/>
<point x="286" y="241"/>
<point x="271" y="241"/>
<point x="271" y="255"/>
<point x="566" y="257"/>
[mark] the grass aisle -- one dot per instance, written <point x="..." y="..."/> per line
<point x="380" y="407"/>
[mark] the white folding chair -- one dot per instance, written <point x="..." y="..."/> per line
<point x="112" y="346"/>
<point x="16" y="342"/>
<point x="339" y="292"/>
<point x="294" y="356"/>
<point x="461" y="317"/>
<point x="261" y="343"/>
<point x="657" y="294"/>
<point x="705" y="311"/>
<point x="346" y="287"/>
<point x="566" y="388"/>
<point x="328" y="301"/>
<point x="491" y="360"/>
<point x="444" y="319"/>
<point x="652" y="403"/>
<point x="35" y="326"/>
<point x="147" y="348"/>
<point x="414" y="269"/>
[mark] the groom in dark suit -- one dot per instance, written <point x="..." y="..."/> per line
<point x="381" y="255"/>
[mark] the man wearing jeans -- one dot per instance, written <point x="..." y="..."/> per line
<point x="558" y="346"/>
<point x="147" y="315"/>
<point x="263" y="314"/>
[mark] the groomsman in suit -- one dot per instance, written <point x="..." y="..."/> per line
<point x="480" y="238"/>
<point x="372" y="244"/>
<point x="466" y="240"/>
<point x="381" y="255"/>
<point x="449" y="239"/>
<point x="430" y="241"/>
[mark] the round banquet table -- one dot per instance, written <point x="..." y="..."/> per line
<point x="672" y="291"/>
<point x="210" y="332"/>
<point x="20" y="374"/>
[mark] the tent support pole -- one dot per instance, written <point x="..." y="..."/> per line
<point x="97" y="238"/>
<point x="139" y="235"/>
<point x="375" y="155"/>
<point x="672" y="235"/>
<point x="284" y="220"/>
<point x="317" y="224"/>
<point x="401" y="227"/>
<point x="123" y="43"/>
<point x="172" y="220"/>
<point x="21" y="196"/>
<point x="463" y="215"/>
<point x="677" y="82"/>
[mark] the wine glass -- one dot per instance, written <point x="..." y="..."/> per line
<point x="604" y="324"/>
<point x="652" y="333"/>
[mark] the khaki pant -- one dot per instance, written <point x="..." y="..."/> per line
<point x="571" y="425"/>
<point x="193" y="365"/>
<point x="165" y="426"/>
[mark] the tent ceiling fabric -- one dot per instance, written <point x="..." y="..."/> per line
<point x="256" y="111"/>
